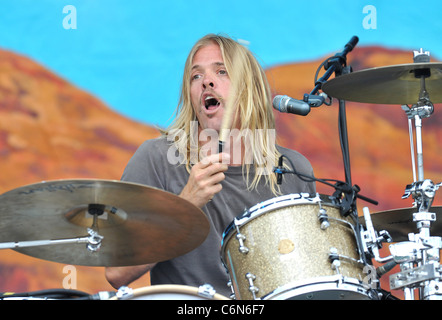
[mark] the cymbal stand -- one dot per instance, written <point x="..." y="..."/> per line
<point x="423" y="109"/>
<point x="93" y="241"/>
<point x="419" y="257"/>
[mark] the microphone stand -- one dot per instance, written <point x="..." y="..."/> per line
<point x="335" y="64"/>
<point x="338" y="65"/>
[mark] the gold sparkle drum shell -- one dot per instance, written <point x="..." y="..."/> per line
<point x="277" y="250"/>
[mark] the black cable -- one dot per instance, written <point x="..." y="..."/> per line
<point x="49" y="293"/>
<point x="308" y="178"/>
<point x="338" y="185"/>
<point x="343" y="137"/>
<point x="58" y="294"/>
<point x="320" y="67"/>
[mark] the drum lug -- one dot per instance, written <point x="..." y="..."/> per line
<point x="336" y="258"/>
<point x="125" y="293"/>
<point x="242" y="247"/>
<point x="333" y="256"/>
<point x="252" y="288"/>
<point x="230" y="285"/>
<point x="323" y="218"/>
<point x="206" y="291"/>
<point x="241" y="238"/>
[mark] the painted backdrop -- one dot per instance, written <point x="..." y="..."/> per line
<point x="83" y="83"/>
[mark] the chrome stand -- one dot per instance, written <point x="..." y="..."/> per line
<point x="419" y="257"/>
<point x="93" y="242"/>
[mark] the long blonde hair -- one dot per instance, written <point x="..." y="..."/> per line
<point x="251" y="93"/>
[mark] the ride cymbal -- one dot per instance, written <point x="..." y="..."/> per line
<point x="397" y="84"/>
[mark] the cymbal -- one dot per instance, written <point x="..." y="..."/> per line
<point x="399" y="222"/>
<point x="395" y="84"/>
<point x="139" y="224"/>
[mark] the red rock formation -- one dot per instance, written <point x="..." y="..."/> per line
<point x="49" y="129"/>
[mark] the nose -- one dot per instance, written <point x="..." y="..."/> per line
<point x="208" y="82"/>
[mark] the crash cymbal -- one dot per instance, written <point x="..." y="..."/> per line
<point x="388" y="85"/>
<point x="139" y="224"/>
<point x="399" y="222"/>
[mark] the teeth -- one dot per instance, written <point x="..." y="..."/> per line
<point x="209" y="97"/>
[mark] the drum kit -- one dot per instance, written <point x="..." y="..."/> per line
<point x="415" y="250"/>
<point x="296" y="246"/>
<point x="302" y="246"/>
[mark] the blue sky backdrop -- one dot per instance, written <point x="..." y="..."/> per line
<point x="130" y="54"/>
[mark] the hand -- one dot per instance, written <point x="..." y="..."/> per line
<point x="204" y="180"/>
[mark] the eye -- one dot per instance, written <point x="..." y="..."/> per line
<point x="222" y="72"/>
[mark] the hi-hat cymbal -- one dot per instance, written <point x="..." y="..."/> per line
<point x="139" y="224"/>
<point x="399" y="222"/>
<point x="396" y="84"/>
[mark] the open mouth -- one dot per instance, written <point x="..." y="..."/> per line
<point x="211" y="103"/>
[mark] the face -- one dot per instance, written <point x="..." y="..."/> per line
<point x="209" y="87"/>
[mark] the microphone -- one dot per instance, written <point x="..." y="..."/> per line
<point x="279" y="171"/>
<point x="351" y="43"/>
<point x="286" y="104"/>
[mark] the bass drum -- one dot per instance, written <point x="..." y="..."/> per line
<point x="295" y="246"/>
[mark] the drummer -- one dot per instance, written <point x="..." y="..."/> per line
<point x="222" y="84"/>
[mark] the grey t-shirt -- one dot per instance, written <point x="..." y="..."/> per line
<point x="150" y="166"/>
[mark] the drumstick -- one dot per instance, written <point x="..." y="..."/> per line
<point x="226" y="123"/>
<point x="230" y="104"/>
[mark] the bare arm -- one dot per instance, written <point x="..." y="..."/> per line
<point x="203" y="184"/>
<point x="123" y="276"/>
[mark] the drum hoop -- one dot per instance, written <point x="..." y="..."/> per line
<point x="166" y="288"/>
<point x="337" y="282"/>
<point x="172" y="288"/>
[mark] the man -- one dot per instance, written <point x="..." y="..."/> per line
<point x="223" y="87"/>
